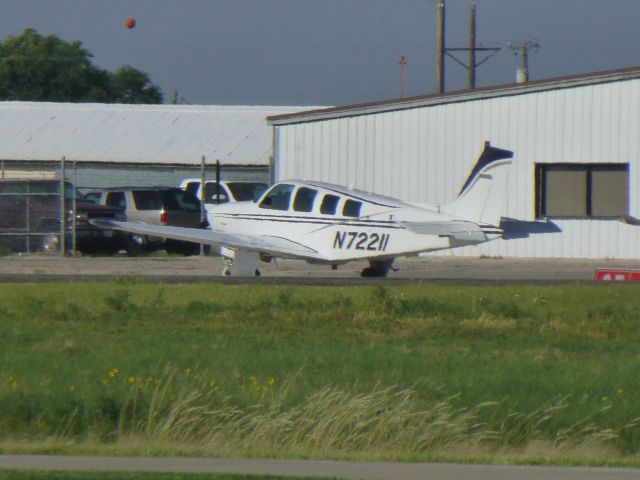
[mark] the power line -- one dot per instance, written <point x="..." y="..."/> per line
<point x="442" y="50"/>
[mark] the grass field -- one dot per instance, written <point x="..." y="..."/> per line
<point x="533" y="373"/>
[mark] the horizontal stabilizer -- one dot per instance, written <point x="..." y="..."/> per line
<point x="441" y="228"/>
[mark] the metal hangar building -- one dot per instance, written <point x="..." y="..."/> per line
<point x="574" y="188"/>
<point x="134" y="145"/>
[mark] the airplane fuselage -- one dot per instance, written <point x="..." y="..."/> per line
<point x="360" y="225"/>
<point x="325" y="223"/>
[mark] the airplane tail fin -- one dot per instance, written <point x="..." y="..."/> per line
<point x="481" y="198"/>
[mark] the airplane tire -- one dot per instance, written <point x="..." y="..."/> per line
<point x="371" y="272"/>
<point x="133" y="244"/>
<point x="377" y="269"/>
<point x="227" y="272"/>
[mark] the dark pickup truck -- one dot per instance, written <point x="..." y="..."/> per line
<point x="30" y="218"/>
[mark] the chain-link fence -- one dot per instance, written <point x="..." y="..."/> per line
<point x="39" y="212"/>
<point x="31" y="215"/>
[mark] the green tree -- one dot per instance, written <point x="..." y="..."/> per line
<point x="45" y="68"/>
<point x="129" y="85"/>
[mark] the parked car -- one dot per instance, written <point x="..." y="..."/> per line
<point x="156" y="206"/>
<point x="30" y="217"/>
<point x="225" y="191"/>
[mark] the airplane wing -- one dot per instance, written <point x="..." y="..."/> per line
<point x="270" y="245"/>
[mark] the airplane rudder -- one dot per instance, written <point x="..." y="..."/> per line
<point x="482" y="196"/>
<point x="488" y="156"/>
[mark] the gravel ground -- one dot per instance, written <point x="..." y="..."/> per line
<point x="24" y="267"/>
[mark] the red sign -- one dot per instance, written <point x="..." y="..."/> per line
<point x="616" y="275"/>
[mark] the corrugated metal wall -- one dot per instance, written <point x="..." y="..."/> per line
<point x="424" y="154"/>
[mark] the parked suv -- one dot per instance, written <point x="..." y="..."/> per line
<point x="30" y="217"/>
<point x="155" y="206"/>
<point x="227" y="191"/>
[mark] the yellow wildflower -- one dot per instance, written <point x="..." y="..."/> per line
<point x="113" y="373"/>
<point x="12" y="383"/>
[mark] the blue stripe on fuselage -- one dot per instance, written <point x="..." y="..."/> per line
<point x="311" y="220"/>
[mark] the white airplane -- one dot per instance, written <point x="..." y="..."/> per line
<point x="330" y="224"/>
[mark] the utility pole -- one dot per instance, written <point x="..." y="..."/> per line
<point x="472" y="45"/>
<point x="403" y="64"/>
<point x="440" y="47"/>
<point x="472" y="49"/>
<point x="522" y="50"/>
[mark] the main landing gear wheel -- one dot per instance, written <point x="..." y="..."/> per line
<point x="377" y="268"/>
<point x="243" y="264"/>
<point x="226" y="271"/>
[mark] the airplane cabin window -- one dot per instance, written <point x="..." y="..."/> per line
<point x="304" y="199"/>
<point x="329" y="204"/>
<point x="278" y="197"/>
<point x="351" y="208"/>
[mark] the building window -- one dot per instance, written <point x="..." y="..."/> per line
<point x="582" y="190"/>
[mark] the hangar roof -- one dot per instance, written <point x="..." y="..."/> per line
<point x="481" y="93"/>
<point x="165" y="134"/>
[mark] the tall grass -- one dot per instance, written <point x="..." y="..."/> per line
<point x="394" y="372"/>
<point x="189" y="408"/>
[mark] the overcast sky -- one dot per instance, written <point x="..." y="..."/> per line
<point x="329" y="52"/>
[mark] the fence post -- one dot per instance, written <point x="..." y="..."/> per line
<point x="73" y="213"/>
<point x="28" y="197"/>
<point x="202" y="185"/>
<point x="218" y="180"/>
<point x="63" y="212"/>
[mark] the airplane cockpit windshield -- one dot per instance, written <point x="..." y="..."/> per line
<point x="278" y="198"/>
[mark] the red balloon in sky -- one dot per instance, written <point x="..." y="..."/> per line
<point x="130" y="22"/>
